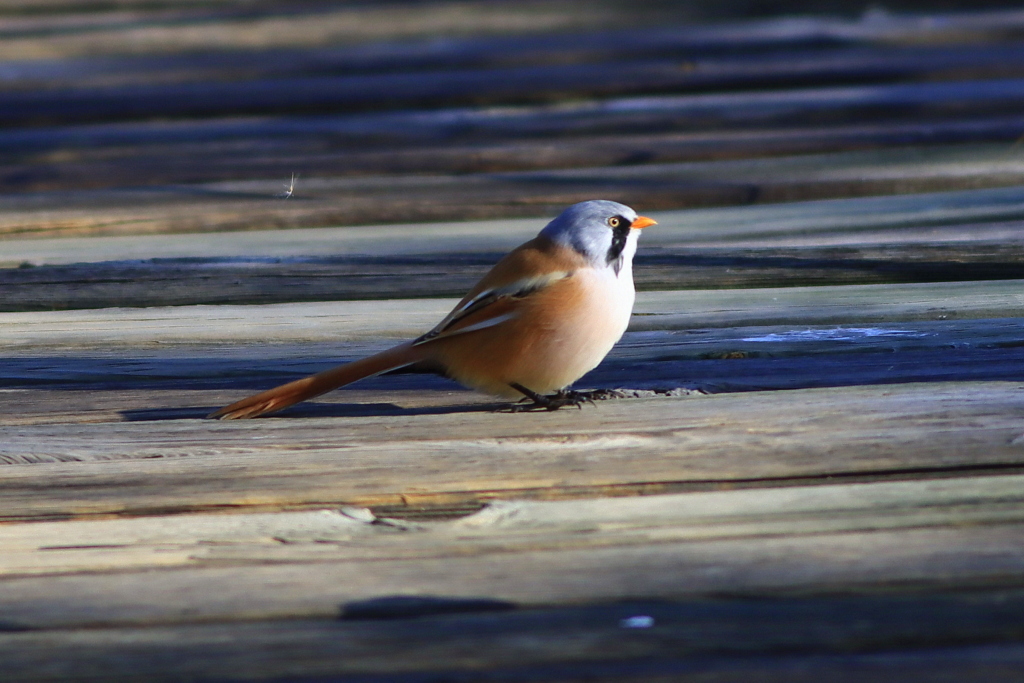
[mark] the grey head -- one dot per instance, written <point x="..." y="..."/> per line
<point x="599" y="230"/>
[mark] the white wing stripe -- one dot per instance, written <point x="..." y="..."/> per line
<point x="483" y="324"/>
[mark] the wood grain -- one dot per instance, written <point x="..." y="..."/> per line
<point x="505" y="527"/>
<point x="798" y="483"/>
<point x="64" y="30"/>
<point x="939" y="218"/>
<point x="421" y="89"/>
<point x="261" y="281"/>
<point x="255" y="204"/>
<point x="399" y="319"/>
<point x="54" y="162"/>
<point x="379" y="456"/>
<point x="44" y="32"/>
<point x="690" y="640"/>
<point x="856" y="563"/>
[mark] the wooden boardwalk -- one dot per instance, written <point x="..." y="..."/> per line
<point x="817" y="469"/>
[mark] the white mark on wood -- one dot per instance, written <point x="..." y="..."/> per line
<point x="358" y="514"/>
<point x="834" y="334"/>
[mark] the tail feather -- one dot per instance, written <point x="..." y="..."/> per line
<point x="289" y="394"/>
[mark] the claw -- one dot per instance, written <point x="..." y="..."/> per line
<point x="559" y="400"/>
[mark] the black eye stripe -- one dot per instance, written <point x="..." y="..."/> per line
<point x="620" y="233"/>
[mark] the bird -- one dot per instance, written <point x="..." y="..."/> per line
<point x="546" y="314"/>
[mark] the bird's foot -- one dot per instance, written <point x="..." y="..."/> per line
<point x="553" y="402"/>
<point x="560" y="399"/>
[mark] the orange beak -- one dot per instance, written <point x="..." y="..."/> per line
<point x="642" y="222"/>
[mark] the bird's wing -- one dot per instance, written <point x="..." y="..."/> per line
<point x="490" y="307"/>
<point x="530" y="268"/>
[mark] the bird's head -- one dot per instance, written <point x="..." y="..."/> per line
<point x="603" y="231"/>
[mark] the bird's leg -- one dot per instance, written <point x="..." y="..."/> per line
<point x="541" y="402"/>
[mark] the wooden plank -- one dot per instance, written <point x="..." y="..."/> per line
<point x="300" y="93"/>
<point x="506" y="527"/>
<point x="493" y="236"/>
<point x="365" y="320"/>
<point x="857" y="563"/>
<point x="465" y="51"/>
<point x="42" y="172"/>
<point x="158" y="29"/>
<point x="67" y="165"/>
<point x="381" y="456"/>
<point x="753" y="566"/>
<point x="261" y="281"/>
<point x="959" y="217"/>
<point x="75" y="31"/>
<point x="825" y="305"/>
<point x="255" y="362"/>
<point x="697" y="112"/>
<point x="841" y="640"/>
<point x="256" y="204"/>
<point x="911" y="103"/>
<point x="181" y="362"/>
<point x="49" y="389"/>
<point x="177" y="381"/>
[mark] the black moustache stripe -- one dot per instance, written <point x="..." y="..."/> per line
<point x="619" y="236"/>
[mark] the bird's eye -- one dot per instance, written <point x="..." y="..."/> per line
<point x="614" y="221"/>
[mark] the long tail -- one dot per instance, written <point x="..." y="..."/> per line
<point x="285" y="395"/>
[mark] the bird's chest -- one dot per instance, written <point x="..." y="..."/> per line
<point x="603" y="309"/>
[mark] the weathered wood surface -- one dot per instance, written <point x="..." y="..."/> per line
<point x="933" y="237"/>
<point x="320" y="566"/>
<point x="354" y="535"/>
<point x="561" y="35"/>
<point x="68" y="31"/>
<point x="257" y="204"/>
<point x="48" y="30"/>
<point x="714" y="360"/>
<point x="311" y="93"/>
<point x="698" y="640"/>
<point x="800" y="482"/>
<point x="700" y="118"/>
<point x="244" y="151"/>
<point x="364" y="320"/>
<point x="772" y="89"/>
<point x="963" y="217"/>
<point x="462" y="452"/>
<point x="708" y="640"/>
<point x="725" y="340"/>
<point x="256" y="280"/>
